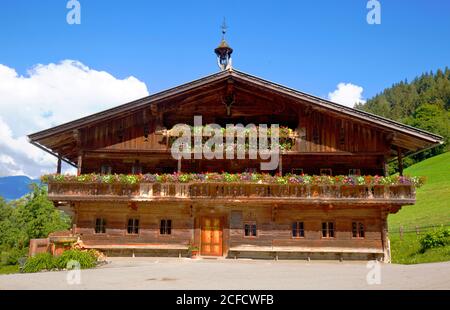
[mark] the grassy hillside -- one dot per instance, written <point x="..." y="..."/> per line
<point x="433" y="199"/>
<point x="432" y="208"/>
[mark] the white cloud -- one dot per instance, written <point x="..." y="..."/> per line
<point x="347" y="94"/>
<point x="47" y="96"/>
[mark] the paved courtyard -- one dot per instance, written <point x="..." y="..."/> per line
<point x="174" y="273"/>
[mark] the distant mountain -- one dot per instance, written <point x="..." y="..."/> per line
<point x="12" y="188"/>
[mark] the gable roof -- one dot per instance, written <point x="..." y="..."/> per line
<point x="429" y="139"/>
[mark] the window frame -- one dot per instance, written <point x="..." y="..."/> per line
<point x="134" y="226"/>
<point x="358" y="172"/>
<point x="300" y="231"/>
<point x="253" y="228"/>
<point x="359" y="224"/>
<point x="101" y="226"/>
<point x="328" y="230"/>
<point x="165" y="230"/>
<point x="327" y="169"/>
<point x="297" y="170"/>
<point x="136" y="169"/>
<point x="251" y="170"/>
<point x="105" y="169"/>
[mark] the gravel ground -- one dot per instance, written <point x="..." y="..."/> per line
<point x="178" y="274"/>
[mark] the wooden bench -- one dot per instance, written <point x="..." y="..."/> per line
<point x="180" y="248"/>
<point x="275" y="250"/>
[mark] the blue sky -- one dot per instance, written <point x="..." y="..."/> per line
<point x="123" y="50"/>
<point x="308" y="45"/>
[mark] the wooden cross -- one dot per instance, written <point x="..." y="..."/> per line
<point x="228" y="101"/>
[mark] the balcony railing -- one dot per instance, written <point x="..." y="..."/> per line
<point x="230" y="191"/>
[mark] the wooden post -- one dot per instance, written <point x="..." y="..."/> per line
<point x="401" y="232"/>
<point x="385" y="167"/>
<point x="400" y="161"/>
<point x="385" y="236"/>
<point x="80" y="163"/>
<point x="58" y="167"/>
<point x="280" y="164"/>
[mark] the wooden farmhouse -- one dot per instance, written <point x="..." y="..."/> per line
<point x="328" y="197"/>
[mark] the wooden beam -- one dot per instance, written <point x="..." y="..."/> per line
<point x="385" y="235"/>
<point x="52" y="153"/>
<point x="58" y="167"/>
<point x="400" y="160"/>
<point x="80" y="163"/>
<point x="280" y="164"/>
<point x="385" y="169"/>
<point x="77" y="137"/>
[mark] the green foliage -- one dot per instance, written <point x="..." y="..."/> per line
<point x="9" y="269"/>
<point x="85" y="259"/>
<point x="38" y="217"/>
<point x="408" y="250"/>
<point x="12" y="256"/>
<point x="40" y="262"/>
<point x="436" y="238"/>
<point x="424" y="103"/>
<point x="31" y="217"/>
<point x="68" y="260"/>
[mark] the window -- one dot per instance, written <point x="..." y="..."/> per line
<point x="133" y="227"/>
<point x="298" y="230"/>
<point x="328" y="230"/>
<point x="136" y="169"/>
<point x="325" y="172"/>
<point x="251" y="170"/>
<point x="250" y="230"/>
<point x="358" y="230"/>
<point x="100" y="226"/>
<point x="106" y="169"/>
<point x="354" y="172"/>
<point x="297" y="171"/>
<point x="166" y="227"/>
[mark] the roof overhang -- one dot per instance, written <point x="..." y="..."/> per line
<point x="410" y="139"/>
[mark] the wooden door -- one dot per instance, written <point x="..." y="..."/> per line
<point x="211" y="236"/>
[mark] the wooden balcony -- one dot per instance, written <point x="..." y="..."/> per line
<point x="197" y="191"/>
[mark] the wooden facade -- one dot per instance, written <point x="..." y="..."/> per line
<point x="234" y="220"/>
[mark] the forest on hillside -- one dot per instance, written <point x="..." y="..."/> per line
<point x="423" y="103"/>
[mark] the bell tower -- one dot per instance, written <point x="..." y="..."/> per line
<point x="224" y="51"/>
